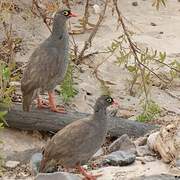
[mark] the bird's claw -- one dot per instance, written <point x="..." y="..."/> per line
<point x="58" y="110"/>
<point x="41" y="103"/>
<point x="92" y="177"/>
<point x="86" y="174"/>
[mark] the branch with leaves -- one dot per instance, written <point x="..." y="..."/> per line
<point x="133" y="48"/>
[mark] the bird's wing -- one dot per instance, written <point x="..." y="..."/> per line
<point x="71" y="138"/>
<point x="41" y="67"/>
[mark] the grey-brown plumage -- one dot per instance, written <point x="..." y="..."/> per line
<point x="76" y="143"/>
<point x="48" y="63"/>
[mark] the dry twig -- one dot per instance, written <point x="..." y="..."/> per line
<point x="165" y="64"/>
<point x="92" y="35"/>
<point x="102" y="82"/>
<point x="86" y="15"/>
<point x="172" y="95"/>
<point x="73" y="42"/>
<point x="44" y="17"/>
<point x="9" y="45"/>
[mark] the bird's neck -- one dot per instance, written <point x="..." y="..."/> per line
<point x="100" y="113"/>
<point x="59" y="29"/>
<point x="100" y="119"/>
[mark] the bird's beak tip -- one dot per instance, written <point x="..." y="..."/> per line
<point x="73" y="15"/>
<point x="115" y="104"/>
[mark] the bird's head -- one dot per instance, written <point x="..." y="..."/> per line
<point x="62" y="15"/>
<point x="104" y="101"/>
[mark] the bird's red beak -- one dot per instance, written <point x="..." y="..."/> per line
<point x="72" y="15"/>
<point x="115" y="103"/>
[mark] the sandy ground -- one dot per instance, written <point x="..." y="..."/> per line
<point x="15" y="141"/>
<point x="140" y="17"/>
<point x="167" y="20"/>
<point x="133" y="171"/>
<point x="146" y="35"/>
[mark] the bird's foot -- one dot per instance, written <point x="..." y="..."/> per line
<point x="58" y="109"/>
<point x="87" y="175"/>
<point x="42" y="103"/>
<point x="53" y="105"/>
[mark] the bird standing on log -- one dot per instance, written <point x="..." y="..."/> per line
<point x="75" y="144"/>
<point x="48" y="65"/>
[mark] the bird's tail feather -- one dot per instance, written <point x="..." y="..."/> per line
<point x="27" y="99"/>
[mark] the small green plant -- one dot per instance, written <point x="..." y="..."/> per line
<point x="2" y="120"/>
<point x="67" y="88"/>
<point x="10" y="45"/>
<point x="5" y="89"/>
<point x="151" y="111"/>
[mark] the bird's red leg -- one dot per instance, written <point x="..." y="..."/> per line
<point x="87" y="176"/>
<point x="41" y="103"/>
<point x="52" y="104"/>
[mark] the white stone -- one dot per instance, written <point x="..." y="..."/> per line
<point x="97" y="9"/>
<point x="15" y="83"/>
<point x="12" y="164"/>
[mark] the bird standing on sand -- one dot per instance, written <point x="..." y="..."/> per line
<point x="48" y="64"/>
<point x="75" y="144"/>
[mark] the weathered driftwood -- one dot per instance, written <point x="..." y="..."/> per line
<point x="44" y="120"/>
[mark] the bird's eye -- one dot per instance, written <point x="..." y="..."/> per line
<point x="66" y="13"/>
<point x="109" y="100"/>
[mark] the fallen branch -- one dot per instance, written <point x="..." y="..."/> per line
<point x="44" y="120"/>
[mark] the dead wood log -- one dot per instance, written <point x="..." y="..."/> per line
<point x="44" y="120"/>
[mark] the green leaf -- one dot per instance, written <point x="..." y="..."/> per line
<point x="131" y="68"/>
<point x="173" y="63"/>
<point x="162" y="56"/>
<point x="2" y="114"/>
<point x="6" y="73"/>
<point x="151" y="111"/>
<point x="67" y="87"/>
